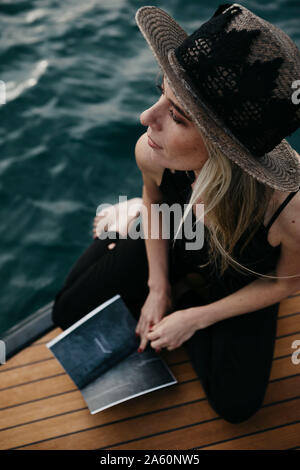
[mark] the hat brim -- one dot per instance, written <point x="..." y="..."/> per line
<point x="279" y="168"/>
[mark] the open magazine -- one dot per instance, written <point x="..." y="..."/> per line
<point x="99" y="352"/>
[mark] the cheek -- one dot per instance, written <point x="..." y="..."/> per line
<point x="187" y="145"/>
<point x="182" y="142"/>
<point x="179" y="141"/>
<point x="197" y="146"/>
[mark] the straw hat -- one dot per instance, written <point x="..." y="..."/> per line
<point x="233" y="76"/>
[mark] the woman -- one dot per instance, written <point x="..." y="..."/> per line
<point x="215" y="136"/>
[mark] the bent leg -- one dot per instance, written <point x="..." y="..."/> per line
<point x="93" y="253"/>
<point x="233" y="360"/>
<point x="98" y="275"/>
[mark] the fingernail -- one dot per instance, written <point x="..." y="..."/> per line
<point x="137" y="334"/>
<point x="140" y="350"/>
<point x="157" y="350"/>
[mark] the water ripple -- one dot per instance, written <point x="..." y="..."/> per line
<point x="59" y="208"/>
<point x="14" y="90"/>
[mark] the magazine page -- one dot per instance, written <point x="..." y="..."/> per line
<point x="96" y="342"/>
<point x="137" y="374"/>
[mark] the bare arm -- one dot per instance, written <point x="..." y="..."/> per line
<point x="264" y="292"/>
<point x="157" y="249"/>
<point x="159" y="299"/>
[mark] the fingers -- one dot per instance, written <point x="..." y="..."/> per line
<point x="142" y="330"/>
<point x="143" y="344"/>
<point x="151" y="336"/>
<point x="155" y="340"/>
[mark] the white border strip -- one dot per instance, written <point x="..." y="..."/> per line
<point x="133" y="396"/>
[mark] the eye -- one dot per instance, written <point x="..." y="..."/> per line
<point x="172" y="114"/>
<point x="174" y="117"/>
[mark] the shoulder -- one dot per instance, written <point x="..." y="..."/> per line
<point x="150" y="169"/>
<point x="286" y="227"/>
<point x="288" y="221"/>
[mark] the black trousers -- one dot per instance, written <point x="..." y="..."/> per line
<point x="232" y="358"/>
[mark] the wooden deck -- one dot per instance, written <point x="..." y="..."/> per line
<point x="40" y="407"/>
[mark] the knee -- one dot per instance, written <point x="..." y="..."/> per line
<point x="236" y="409"/>
<point x="236" y="415"/>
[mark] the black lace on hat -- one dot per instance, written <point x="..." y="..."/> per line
<point x="216" y="62"/>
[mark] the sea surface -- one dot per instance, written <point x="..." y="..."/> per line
<point x="77" y="75"/>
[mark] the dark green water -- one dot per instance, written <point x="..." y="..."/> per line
<point x="78" y="75"/>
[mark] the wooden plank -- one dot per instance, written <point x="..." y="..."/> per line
<point x="31" y="373"/>
<point x="36" y="391"/>
<point x="288" y="306"/>
<point x="62" y="383"/>
<point x="27" y="356"/>
<point x="289" y="325"/>
<point x="73" y="400"/>
<point x="281" y="438"/>
<point x="283" y="346"/>
<point x="62" y="405"/>
<point x="283" y="368"/>
<point x="185" y="392"/>
<point x="282" y="389"/>
<point x="185" y="428"/>
<point x="41" y="409"/>
<point x="83" y="419"/>
<point x="297" y="294"/>
<point x="59" y="404"/>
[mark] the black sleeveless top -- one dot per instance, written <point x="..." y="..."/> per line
<point x="258" y="255"/>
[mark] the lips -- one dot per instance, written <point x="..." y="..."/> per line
<point x="152" y="143"/>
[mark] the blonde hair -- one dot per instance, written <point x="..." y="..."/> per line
<point x="235" y="202"/>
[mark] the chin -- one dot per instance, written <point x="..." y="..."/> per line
<point x="156" y="155"/>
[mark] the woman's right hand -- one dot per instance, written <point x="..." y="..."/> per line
<point x="155" y="307"/>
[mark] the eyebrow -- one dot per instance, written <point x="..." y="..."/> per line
<point x="175" y="105"/>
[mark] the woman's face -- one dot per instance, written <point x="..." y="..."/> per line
<point x="179" y="145"/>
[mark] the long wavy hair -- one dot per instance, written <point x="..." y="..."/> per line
<point x="235" y="201"/>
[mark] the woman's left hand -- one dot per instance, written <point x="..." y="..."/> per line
<point x="173" y="330"/>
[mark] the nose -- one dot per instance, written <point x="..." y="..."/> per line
<point x="152" y="116"/>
